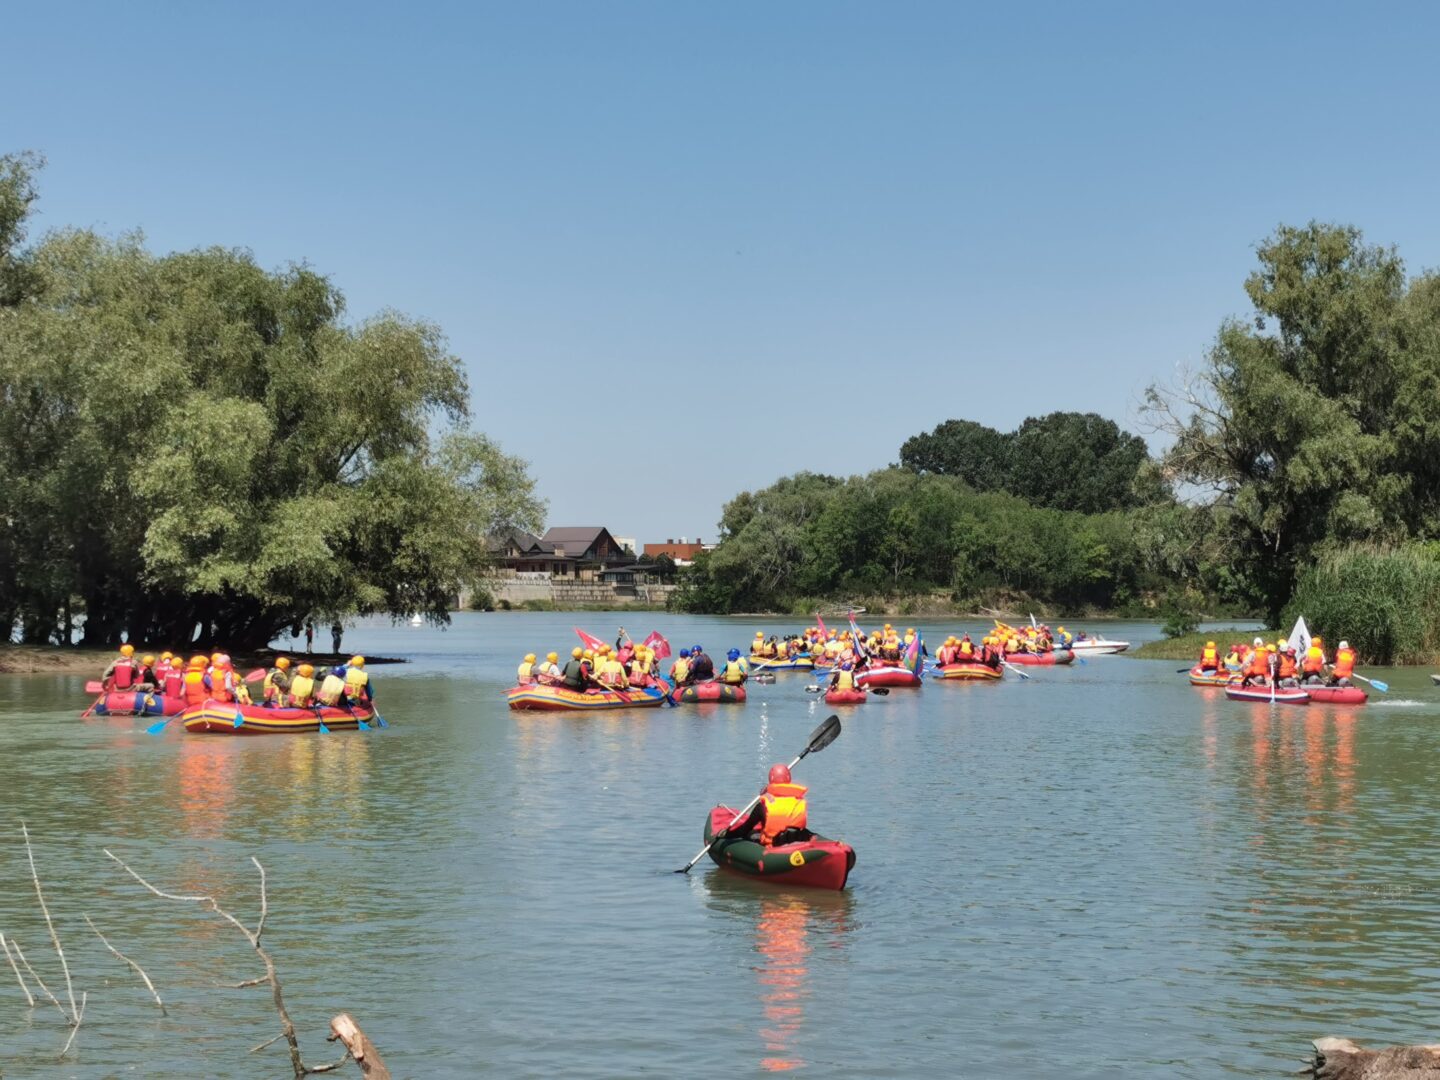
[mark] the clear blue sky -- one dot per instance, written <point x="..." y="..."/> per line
<point x="718" y="243"/>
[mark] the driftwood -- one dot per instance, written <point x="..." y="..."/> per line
<point x="1341" y="1059"/>
<point x="362" y="1050"/>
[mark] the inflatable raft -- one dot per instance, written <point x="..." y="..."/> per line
<point x="845" y="697"/>
<point x="133" y="703"/>
<point x="1210" y="678"/>
<point x="1044" y="659"/>
<point x="563" y="699"/>
<point x="887" y="676"/>
<point x="1336" y="695"/>
<point x="711" y="690"/>
<point x="816" y="863"/>
<point x="970" y="670"/>
<point x="793" y="663"/>
<point x="219" y="718"/>
<point x="1283" y="695"/>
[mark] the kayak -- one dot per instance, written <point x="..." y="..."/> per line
<point x="1337" y="695"/>
<point x="1209" y="678"/>
<point x="793" y="663"/>
<point x="219" y="718"/>
<point x="563" y="699"/>
<point x="1098" y="647"/>
<point x="134" y="703"/>
<point x="816" y="863"/>
<point x="712" y="690"/>
<point x="845" y="697"/>
<point x="1044" y="659"/>
<point x="1283" y="695"/>
<point x="970" y="670"/>
<point x="887" y="676"/>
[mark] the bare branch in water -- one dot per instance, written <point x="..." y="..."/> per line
<point x="38" y="981"/>
<point x="138" y="969"/>
<point x="79" y="1016"/>
<point x="5" y="945"/>
<point x="54" y="937"/>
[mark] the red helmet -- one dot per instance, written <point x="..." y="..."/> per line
<point x="779" y="774"/>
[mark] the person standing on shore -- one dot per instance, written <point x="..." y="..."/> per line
<point x="309" y="635"/>
<point x="337" y="631"/>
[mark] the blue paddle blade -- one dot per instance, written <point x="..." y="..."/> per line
<point x="361" y="724"/>
<point x="239" y="718"/>
<point x="380" y="720"/>
<point x="155" y="729"/>
<point x="1383" y="687"/>
<point x="323" y="729"/>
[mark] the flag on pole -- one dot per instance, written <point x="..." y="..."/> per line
<point x="912" y="655"/>
<point x="820" y="623"/>
<point x="657" y="644"/>
<point x="590" y="641"/>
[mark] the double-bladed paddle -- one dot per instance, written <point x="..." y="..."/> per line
<point x="878" y="691"/>
<point x="820" y="738"/>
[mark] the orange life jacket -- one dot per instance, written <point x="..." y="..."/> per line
<point x="1314" y="661"/>
<point x="222" y="686"/>
<point x="784" y="809"/>
<point x="1344" y="663"/>
<point x="195" y="692"/>
<point x="1287" y="666"/>
<point x="1259" y="662"/>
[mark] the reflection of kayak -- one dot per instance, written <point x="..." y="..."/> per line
<point x="816" y="862"/>
<point x="969" y="670"/>
<point x="561" y="699"/>
<point x="1044" y="659"/>
<point x="712" y="690"/>
<point x="132" y="703"/>
<point x="1337" y="695"/>
<point x="1098" y="647"/>
<point x="845" y="697"/>
<point x="794" y="663"/>
<point x="1209" y="678"/>
<point x="1283" y="695"/>
<point x="219" y="718"/>
<point x="887" y="676"/>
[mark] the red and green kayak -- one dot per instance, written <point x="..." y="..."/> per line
<point x="816" y="863"/>
<point x="712" y="690"/>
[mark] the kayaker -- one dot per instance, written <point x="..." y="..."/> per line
<point x="1209" y="657"/>
<point x="164" y="666"/>
<point x="702" y="668"/>
<point x="624" y="649"/>
<point x="1065" y="639"/>
<point x="736" y="670"/>
<point x="146" y="681"/>
<point x="780" y="815"/>
<point x="525" y="673"/>
<point x="964" y="651"/>
<point x="639" y="672"/>
<point x="121" y="673"/>
<point x="1312" y="668"/>
<point x="357" y="683"/>
<point x="680" y="670"/>
<point x="1344" y="665"/>
<point x="275" y="690"/>
<point x="843" y="678"/>
<point x="302" y="687"/>
<point x="574" y="674"/>
<point x="1232" y="659"/>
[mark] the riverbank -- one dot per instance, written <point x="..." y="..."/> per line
<point x="1188" y="646"/>
<point x="76" y="659"/>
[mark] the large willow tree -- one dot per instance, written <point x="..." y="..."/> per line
<point x="192" y="441"/>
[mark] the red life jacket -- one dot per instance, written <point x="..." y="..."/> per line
<point x="174" y="683"/>
<point x="784" y="809"/>
<point x="125" y="672"/>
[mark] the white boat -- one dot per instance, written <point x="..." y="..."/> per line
<point x="1096" y="646"/>
<point x="416" y="620"/>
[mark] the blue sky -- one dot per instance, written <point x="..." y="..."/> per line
<point x="715" y="244"/>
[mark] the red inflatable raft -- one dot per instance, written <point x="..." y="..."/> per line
<point x="1044" y="659"/>
<point x="817" y="863"/>
<point x="712" y="690"/>
<point x="887" y="676"/>
<point x="219" y="718"/>
<point x="970" y="670"/>
<point x="1284" y="695"/>
<point x="1336" y="695"/>
<point x="845" y="697"/>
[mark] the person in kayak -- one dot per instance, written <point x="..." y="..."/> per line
<point x="1209" y="657"/>
<point x="1344" y="665"/>
<point x="549" y="673"/>
<point x="611" y="675"/>
<point x="736" y="670"/>
<point x="779" y="816"/>
<point x="702" y="668"/>
<point x="843" y="678"/>
<point x="146" y="681"/>
<point x="525" y="673"/>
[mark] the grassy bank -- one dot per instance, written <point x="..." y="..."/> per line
<point x="1188" y="646"/>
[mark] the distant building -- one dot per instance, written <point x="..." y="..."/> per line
<point x="581" y="553"/>
<point x="681" y="552"/>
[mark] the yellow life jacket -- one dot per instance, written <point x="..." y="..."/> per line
<point x="355" y="681"/>
<point x="525" y="672"/>
<point x="681" y="669"/>
<point x="331" y="689"/>
<point x="844" y="680"/>
<point x="302" y="688"/>
<point x="734" y="672"/>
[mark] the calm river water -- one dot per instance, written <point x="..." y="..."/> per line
<point x="1101" y="872"/>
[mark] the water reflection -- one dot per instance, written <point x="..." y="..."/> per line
<point x="789" y="927"/>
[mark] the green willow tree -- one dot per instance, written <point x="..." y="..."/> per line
<point x="192" y="441"/>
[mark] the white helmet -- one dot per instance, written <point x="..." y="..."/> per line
<point x="1259" y="643"/>
<point x="1344" y="644"/>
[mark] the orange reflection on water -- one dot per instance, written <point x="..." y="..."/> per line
<point x="206" y="775"/>
<point x="781" y="932"/>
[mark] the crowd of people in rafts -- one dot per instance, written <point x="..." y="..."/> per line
<point x="629" y="665"/>
<point x="1281" y="663"/>
<point x="213" y="678"/>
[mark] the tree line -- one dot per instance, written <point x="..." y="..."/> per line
<point x="196" y="448"/>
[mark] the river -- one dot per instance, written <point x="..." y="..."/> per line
<point x="1097" y="872"/>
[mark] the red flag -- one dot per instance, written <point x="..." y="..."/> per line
<point x="591" y="643"/>
<point x="819" y="622"/>
<point x="657" y="644"/>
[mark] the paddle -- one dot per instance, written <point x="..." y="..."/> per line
<point x="94" y="686"/>
<point x="91" y="709"/>
<point x="1383" y="687"/>
<point x="1015" y="669"/>
<point x="878" y="691"/>
<point x="256" y="675"/>
<point x="820" y="738"/>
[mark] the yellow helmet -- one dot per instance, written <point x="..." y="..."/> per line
<point x="576" y="653"/>
<point x="1209" y="644"/>
<point x="529" y="658"/>
<point x="589" y="655"/>
<point x="282" y="662"/>
<point x="359" y="661"/>
<point x="760" y="634"/>
<point x="167" y="656"/>
<point x="147" y="659"/>
<point x="216" y="658"/>
<point x="306" y="670"/>
<point x="127" y="650"/>
<point x="552" y="657"/>
<point x="198" y="661"/>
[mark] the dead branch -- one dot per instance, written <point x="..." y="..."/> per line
<point x="1341" y="1059"/>
<point x="5" y="945"/>
<point x="138" y="969"/>
<point x="75" y="1030"/>
<point x="54" y="937"/>
<point x="358" y="1046"/>
<point x="38" y="981"/>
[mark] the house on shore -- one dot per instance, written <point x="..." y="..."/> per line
<point x="569" y="565"/>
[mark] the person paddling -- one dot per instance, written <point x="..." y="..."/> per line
<point x="780" y="815"/>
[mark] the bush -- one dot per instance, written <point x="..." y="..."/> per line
<point x="1384" y="601"/>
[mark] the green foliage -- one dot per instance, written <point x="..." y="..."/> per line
<point x="1384" y="601"/>
<point x="1179" y="617"/>
<point x="192" y="440"/>
<point x="1064" y="461"/>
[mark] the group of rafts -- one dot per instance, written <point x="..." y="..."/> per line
<point x="1295" y="671"/>
<point x="206" y="695"/>
<point x="856" y="663"/>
